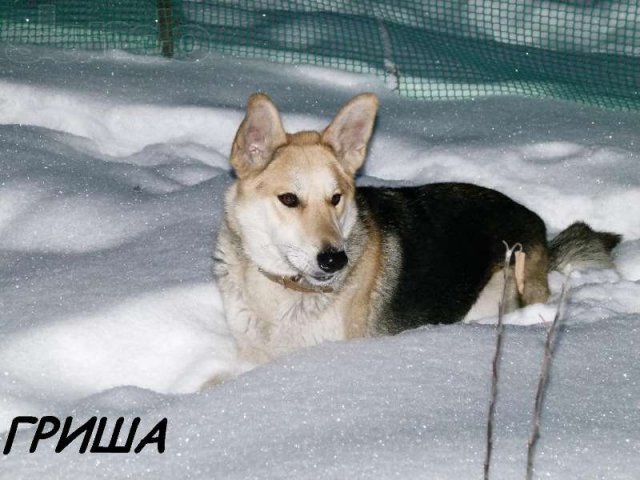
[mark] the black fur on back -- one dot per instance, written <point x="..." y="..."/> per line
<point x="451" y="236"/>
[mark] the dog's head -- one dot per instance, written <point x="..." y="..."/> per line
<point x="293" y="204"/>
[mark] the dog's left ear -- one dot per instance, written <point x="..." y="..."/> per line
<point x="348" y="134"/>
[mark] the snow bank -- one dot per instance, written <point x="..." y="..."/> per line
<point x="112" y="174"/>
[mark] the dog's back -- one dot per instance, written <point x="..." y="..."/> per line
<point x="451" y="241"/>
<point x="451" y="238"/>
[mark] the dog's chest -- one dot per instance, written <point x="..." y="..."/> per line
<point x="286" y="320"/>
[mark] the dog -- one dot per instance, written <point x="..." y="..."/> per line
<point x="303" y="256"/>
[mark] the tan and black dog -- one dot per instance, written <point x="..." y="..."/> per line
<point x="304" y="256"/>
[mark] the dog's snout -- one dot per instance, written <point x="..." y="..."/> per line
<point x="332" y="260"/>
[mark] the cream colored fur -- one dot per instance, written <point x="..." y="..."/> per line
<point x="260" y="234"/>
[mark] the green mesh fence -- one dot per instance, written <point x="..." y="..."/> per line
<point x="580" y="50"/>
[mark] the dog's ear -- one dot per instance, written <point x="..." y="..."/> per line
<point x="260" y="133"/>
<point x="349" y="133"/>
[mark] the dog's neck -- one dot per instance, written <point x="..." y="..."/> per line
<point x="296" y="283"/>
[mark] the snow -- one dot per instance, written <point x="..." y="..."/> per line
<point x="112" y="172"/>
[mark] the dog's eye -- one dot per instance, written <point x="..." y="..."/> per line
<point x="289" y="200"/>
<point x="335" y="200"/>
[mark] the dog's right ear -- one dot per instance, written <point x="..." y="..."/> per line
<point x="259" y="135"/>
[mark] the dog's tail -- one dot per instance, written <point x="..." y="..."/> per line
<point x="580" y="247"/>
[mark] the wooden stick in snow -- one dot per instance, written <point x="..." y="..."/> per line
<point x="496" y="357"/>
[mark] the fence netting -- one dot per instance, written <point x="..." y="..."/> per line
<point x="581" y="50"/>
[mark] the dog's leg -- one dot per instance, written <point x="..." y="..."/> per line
<point x="216" y="380"/>
<point x="536" y="283"/>
<point x="493" y="294"/>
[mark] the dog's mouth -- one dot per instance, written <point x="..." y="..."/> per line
<point x="314" y="277"/>
<point x="320" y="280"/>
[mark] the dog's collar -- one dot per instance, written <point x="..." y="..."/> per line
<point x="295" y="283"/>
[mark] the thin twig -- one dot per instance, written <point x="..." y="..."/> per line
<point x="496" y="357"/>
<point x="549" y="347"/>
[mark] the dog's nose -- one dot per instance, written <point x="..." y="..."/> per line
<point x="331" y="260"/>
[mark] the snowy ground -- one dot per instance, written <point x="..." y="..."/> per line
<point x="112" y="172"/>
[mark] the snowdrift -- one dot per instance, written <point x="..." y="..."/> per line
<point x="112" y="174"/>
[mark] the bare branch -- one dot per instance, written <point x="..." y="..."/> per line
<point x="496" y="357"/>
<point x="549" y="347"/>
